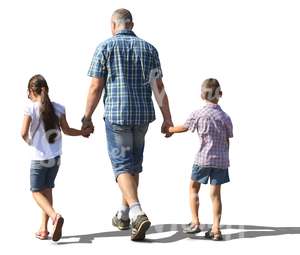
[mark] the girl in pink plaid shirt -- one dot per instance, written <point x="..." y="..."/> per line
<point x="214" y="129"/>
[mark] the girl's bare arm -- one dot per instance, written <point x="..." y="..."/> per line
<point x="25" y="128"/>
<point x="67" y="130"/>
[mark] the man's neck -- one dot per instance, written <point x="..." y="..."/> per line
<point x="122" y="28"/>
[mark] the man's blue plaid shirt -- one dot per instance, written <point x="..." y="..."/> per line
<point x="127" y="63"/>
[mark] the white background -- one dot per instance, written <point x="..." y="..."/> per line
<point x="252" y="47"/>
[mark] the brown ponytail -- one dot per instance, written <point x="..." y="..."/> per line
<point x="38" y="85"/>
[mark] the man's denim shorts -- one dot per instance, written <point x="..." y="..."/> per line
<point x="43" y="173"/>
<point x="126" y="147"/>
<point x="217" y="176"/>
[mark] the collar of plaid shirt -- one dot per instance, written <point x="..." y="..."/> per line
<point x="212" y="105"/>
<point x="125" y="32"/>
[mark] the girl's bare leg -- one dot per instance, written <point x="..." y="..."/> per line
<point x="45" y="218"/>
<point x="44" y="200"/>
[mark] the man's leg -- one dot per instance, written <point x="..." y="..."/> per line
<point x="140" y="222"/>
<point x="121" y="143"/>
<point x="136" y="178"/>
<point x="122" y="219"/>
<point x="128" y="185"/>
<point x="123" y="212"/>
<point x="215" y="194"/>
<point x="120" y="148"/>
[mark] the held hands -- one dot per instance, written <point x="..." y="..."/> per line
<point x="87" y="127"/>
<point x="165" y="128"/>
<point x="86" y="132"/>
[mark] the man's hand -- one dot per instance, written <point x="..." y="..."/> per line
<point x="165" y="128"/>
<point x="87" y="127"/>
<point x="87" y="131"/>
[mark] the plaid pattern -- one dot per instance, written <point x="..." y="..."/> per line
<point x="214" y="127"/>
<point x="127" y="63"/>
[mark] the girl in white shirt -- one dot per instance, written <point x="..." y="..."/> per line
<point x="42" y="125"/>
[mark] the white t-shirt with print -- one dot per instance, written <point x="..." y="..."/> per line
<point x="42" y="149"/>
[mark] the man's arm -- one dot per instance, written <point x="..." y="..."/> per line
<point x="94" y="95"/>
<point x="163" y="103"/>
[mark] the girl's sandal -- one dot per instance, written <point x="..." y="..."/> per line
<point x="214" y="236"/>
<point x="42" y="235"/>
<point x="57" y="230"/>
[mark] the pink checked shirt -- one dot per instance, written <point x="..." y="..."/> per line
<point x="214" y="127"/>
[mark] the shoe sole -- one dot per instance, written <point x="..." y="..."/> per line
<point x="140" y="234"/>
<point x="212" y="238"/>
<point x="191" y="232"/>
<point x="42" y="238"/>
<point x="117" y="226"/>
<point x="58" y="230"/>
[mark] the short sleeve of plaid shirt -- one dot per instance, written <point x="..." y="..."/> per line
<point x="191" y="122"/>
<point x="197" y="122"/>
<point x="156" y="64"/>
<point x="229" y="127"/>
<point x="98" y="68"/>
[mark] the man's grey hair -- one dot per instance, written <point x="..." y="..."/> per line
<point x="122" y="17"/>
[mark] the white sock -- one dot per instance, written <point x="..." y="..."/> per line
<point x="135" y="211"/>
<point x="123" y="212"/>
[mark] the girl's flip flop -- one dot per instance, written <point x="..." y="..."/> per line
<point x="42" y="235"/>
<point x="57" y="231"/>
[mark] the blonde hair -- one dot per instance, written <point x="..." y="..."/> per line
<point x="211" y="90"/>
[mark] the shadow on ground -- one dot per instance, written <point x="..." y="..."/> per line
<point x="242" y="231"/>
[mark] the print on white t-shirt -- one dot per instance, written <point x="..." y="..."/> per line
<point x="42" y="149"/>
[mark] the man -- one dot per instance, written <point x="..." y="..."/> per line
<point x="128" y="69"/>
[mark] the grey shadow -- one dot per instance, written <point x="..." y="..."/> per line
<point x="242" y="231"/>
